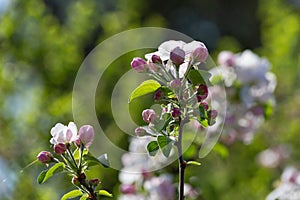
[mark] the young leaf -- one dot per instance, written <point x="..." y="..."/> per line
<point x="41" y="176"/>
<point x="165" y="144"/>
<point x="105" y="193"/>
<point x="193" y="163"/>
<point x="45" y="175"/>
<point x="101" y="160"/>
<point x="84" y="197"/>
<point x="199" y="77"/>
<point x="72" y="194"/>
<point x="144" y="88"/>
<point x="152" y="148"/>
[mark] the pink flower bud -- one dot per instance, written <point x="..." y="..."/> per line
<point x="139" y="64"/>
<point x="60" y="148"/>
<point x="154" y="67"/>
<point x="177" y="56"/>
<point x="158" y="95"/>
<point x="45" y="157"/>
<point x="156" y="59"/>
<point x="226" y="58"/>
<point x="149" y="116"/>
<point x="175" y="84"/>
<point x="175" y="112"/>
<point x="212" y="114"/>
<point x="127" y="189"/>
<point x="140" y="131"/>
<point x="86" y="135"/>
<point x="202" y="92"/>
<point x="200" y="54"/>
<point x="204" y="105"/>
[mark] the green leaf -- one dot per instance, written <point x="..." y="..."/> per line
<point x="199" y="77"/>
<point x="41" y="176"/>
<point x="45" y="175"/>
<point x="152" y="148"/>
<point x="84" y="197"/>
<point x="144" y="88"/>
<point x="137" y="105"/>
<point x="72" y="194"/>
<point x="203" y="122"/>
<point x="165" y="144"/>
<point x="101" y="160"/>
<point x="193" y="163"/>
<point x="105" y="193"/>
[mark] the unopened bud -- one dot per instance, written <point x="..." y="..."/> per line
<point x="156" y="59"/>
<point x="139" y="64"/>
<point x="158" y="95"/>
<point x="202" y="92"/>
<point x="45" y="157"/>
<point x="60" y="148"/>
<point x="177" y="56"/>
<point x="140" y="131"/>
<point x="149" y="116"/>
<point x="175" y="112"/>
<point x="200" y="54"/>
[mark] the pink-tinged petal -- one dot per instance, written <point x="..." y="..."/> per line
<point x="72" y="126"/>
<point x="86" y="135"/>
<point x="166" y="47"/>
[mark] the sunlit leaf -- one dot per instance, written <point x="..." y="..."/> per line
<point x="72" y="194"/>
<point x="84" y="197"/>
<point x="45" y="175"/>
<point x="105" y="193"/>
<point x="144" y="88"/>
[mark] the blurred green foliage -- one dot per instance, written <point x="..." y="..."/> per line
<point x="42" y="45"/>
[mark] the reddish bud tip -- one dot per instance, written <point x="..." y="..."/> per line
<point x="139" y="64"/>
<point x="156" y="59"/>
<point x="45" y="157"/>
<point x="60" y="148"/>
<point x="175" y="112"/>
<point x="177" y="56"/>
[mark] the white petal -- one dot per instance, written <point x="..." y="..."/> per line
<point x="72" y="126"/>
<point x="57" y="129"/>
<point x="166" y="47"/>
<point x="190" y="47"/>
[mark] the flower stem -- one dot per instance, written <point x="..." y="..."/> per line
<point x="181" y="161"/>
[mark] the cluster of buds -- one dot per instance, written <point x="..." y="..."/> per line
<point x="183" y="90"/>
<point x="71" y="152"/>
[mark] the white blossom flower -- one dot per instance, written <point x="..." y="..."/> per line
<point x="63" y="134"/>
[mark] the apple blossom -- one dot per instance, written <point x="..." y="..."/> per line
<point x="86" y="135"/>
<point x="63" y="134"/>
